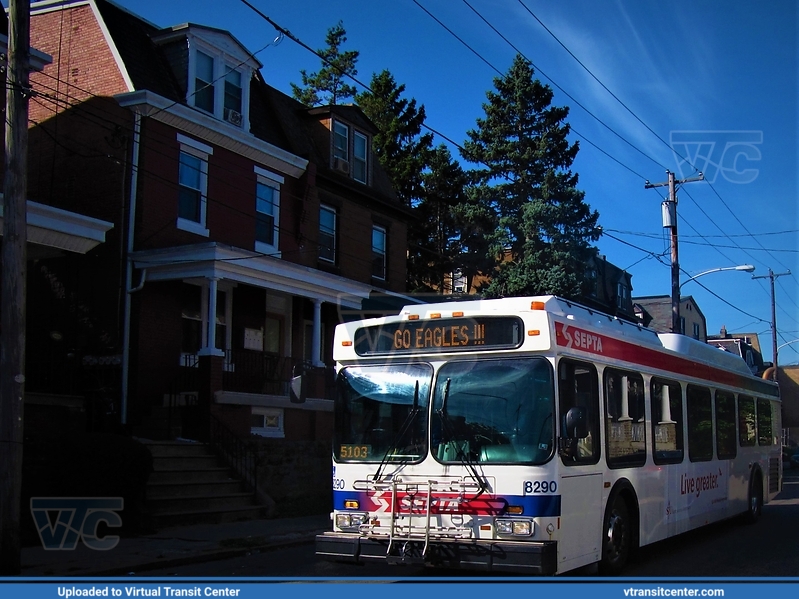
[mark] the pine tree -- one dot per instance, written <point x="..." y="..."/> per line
<point x="328" y="85"/>
<point x="544" y="230"/>
<point x="400" y="146"/>
<point x="434" y="236"/>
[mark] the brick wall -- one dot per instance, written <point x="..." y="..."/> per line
<point x="82" y="66"/>
<point x="297" y="475"/>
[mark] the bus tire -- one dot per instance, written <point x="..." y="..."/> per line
<point x="754" y="504"/>
<point x="617" y="536"/>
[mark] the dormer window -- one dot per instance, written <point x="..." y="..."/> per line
<point x="341" y="141"/>
<point x="233" y="97"/>
<point x="214" y="68"/>
<point x="219" y="86"/>
<point x="621" y="295"/>
<point x="350" y="152"/>
<point x="359" y="146"/>
<point x="204" y="83"/>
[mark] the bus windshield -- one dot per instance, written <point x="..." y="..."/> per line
<point x="494" y="411"/>
<point x="381" y="413"/>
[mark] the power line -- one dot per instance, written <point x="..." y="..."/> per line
<point x="500" y="73"/>
<point x="605" y="87"/>
<point x="568" y="95"/>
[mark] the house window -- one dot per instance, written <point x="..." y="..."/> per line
<point x="327" y="233"/>
<point x="204" y="82"/>
<point x="267" y="422"/>
<point x="218" y="87"/>
<point x="621" y="295"/>
<point x="459" y="282"/>
<point x="272" y="334"/>
<point x="682" y="325"/>
<point x="267" y="211"/>
<point x="378" y="252"/>
<point x="696" y="330"/>
<point x="350" y="154"/>
<point x="591" y="281"/>
<point x="232" y="113"/>
<point x="359" y="157"/>
<point x="341" y="143"/>
<point x="193" y="185"/>
<point x="190" y="187"/>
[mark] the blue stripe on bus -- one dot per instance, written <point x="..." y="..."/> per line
<point x="532" y="505"/>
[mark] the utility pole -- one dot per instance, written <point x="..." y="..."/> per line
<point x="12" y="309"/>
<point x="772" y="275"/>
<point x="670" y="222"/>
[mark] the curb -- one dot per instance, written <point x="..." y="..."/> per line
<point x="294" y="540"/>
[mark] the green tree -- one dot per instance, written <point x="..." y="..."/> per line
<point x="544" y="228"/>
<point x="434" y="238"/>
<point x="328" y="85"/>
<point x="400" y="146"/>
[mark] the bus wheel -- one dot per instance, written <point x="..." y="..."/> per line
<point x="617" y="537"/>
<point x="755" y="503"/>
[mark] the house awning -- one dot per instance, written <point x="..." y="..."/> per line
<point x="60" y="229"/>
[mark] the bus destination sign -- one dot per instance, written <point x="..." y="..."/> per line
<point x="440" y="335"/>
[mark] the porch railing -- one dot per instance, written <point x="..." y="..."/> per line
<point x="257" y="372"/>
<point x="240" y="454"/>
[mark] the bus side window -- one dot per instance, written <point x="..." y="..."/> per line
<point x="700" y="424"/>
<point x="747" y="428"/>
<point x="578" y="388"/>
<point x="726" y="447"/>
<point x="764" y="422"/>
<point x="624" y="422"/>
<point x="667" y="420"/>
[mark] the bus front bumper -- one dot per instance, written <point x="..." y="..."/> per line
<point x="530" y="558"/>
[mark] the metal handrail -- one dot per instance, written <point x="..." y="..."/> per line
<point x="240" y="454"/>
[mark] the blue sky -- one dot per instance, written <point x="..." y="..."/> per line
<point x="713" y="83"/>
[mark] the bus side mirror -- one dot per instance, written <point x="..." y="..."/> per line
<point x="575" y="426"/>
<point x="298" y="389"/>
<point x="576" y="423"/>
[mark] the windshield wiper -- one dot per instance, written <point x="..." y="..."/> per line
<point x="448" y="433"/>
<point x="403" y="429"/>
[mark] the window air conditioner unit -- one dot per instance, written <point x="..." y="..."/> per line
<point x="341" y="165"/>
<point x="233" y="117"/>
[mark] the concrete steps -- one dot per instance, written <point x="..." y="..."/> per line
<point x="191" y="485"/>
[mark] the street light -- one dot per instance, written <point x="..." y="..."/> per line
<point x="784" y="344"/>
<point x="742" y="267"/>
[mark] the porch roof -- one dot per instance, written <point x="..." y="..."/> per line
<point x="213" y="260"/>
<point x="61" y="229"/>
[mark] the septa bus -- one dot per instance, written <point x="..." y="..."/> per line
<point x="535" y="435"/>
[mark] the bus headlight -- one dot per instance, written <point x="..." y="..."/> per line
<point x="519" y="528"/>
<point x="350" y="520"/>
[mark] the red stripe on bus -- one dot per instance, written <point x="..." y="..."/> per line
<point x="587" y="341"/>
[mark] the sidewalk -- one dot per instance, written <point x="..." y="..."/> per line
<point x="174" y="547"/>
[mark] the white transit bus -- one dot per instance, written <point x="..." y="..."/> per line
<point x="535" y="435"/>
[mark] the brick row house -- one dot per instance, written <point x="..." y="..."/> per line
<point x="244" y="225"/>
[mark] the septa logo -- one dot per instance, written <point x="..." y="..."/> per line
<point x="77" y="518"/>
